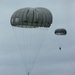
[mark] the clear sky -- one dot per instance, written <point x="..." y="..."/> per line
<point x="50" y="61"/>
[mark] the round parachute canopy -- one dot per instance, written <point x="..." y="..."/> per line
<point x="60" y="31"/>
<point x="31" y="17"/>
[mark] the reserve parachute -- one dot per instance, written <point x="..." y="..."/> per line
<point x="30" y="26"/>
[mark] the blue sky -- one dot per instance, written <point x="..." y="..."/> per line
<point x="50" y="61"/>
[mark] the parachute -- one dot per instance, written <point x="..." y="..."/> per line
<point x="31" y="17"/>
<point x="30" y="26"/>
<point x="60" y="31"/>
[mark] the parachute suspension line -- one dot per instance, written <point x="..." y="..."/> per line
<point x="27" y="40"/>
<point x="24" y="44"/>
<point x="59" y="42"/>
<point x="16" y="39"/>
<point x="42" y="40"/>
<point x="29" y="37"/>
<point x="19" y="47"/>
<point x="31" y="40"/>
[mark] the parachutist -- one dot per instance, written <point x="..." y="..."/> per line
<point x="60" y="48"/>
